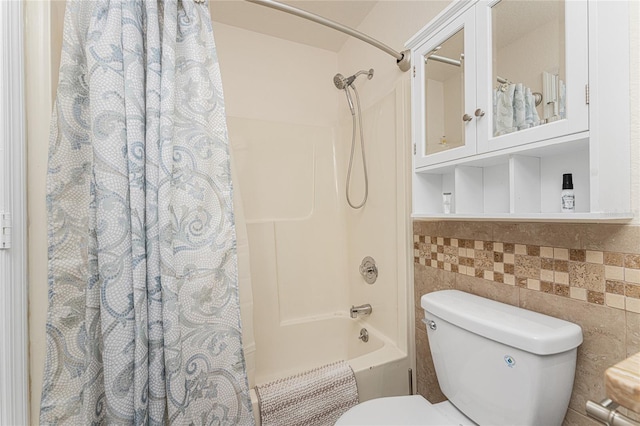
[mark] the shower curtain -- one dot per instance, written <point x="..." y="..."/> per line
<point x="143" y="324"/>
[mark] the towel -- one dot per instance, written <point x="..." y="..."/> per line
<point x="314" y="398"/>
<point x="503" y="104"/>
<point x="514" y="109"/>
<point x="531" y="113"/>
<point x="519" y="106"/>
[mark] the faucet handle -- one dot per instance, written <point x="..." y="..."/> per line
<point x="369" y="270"/>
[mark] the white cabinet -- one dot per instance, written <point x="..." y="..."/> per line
<point x="543" y="46"/>
<point x="444" y="93"/>
<point x="478" y="132"/>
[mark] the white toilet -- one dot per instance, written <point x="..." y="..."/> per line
<point x="497" y="364"/>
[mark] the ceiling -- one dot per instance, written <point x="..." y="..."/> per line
<point x="258" y="18"/>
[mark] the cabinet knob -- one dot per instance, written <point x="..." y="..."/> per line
<point x="467" y="117"/>
<point x="479" y="113"/>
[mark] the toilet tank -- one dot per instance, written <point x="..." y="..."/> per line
<point x="500" y="364"/>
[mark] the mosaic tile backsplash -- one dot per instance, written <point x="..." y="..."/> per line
<point x="599" y="277"/>
<point x="588" y="274"/>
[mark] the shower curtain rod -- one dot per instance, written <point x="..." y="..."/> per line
<point x="403" y="59"/>
<point x="444" y="60"/>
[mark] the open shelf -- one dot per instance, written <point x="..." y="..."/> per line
<point x="522" y="185"/>
<point x="541" y="217"/>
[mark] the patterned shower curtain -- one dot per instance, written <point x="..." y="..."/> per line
<point x="143" y="324"/>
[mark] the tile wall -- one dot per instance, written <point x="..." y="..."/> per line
<point x="585" y="273"/>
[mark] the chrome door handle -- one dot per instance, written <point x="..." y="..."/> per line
<point x="467" y="118"/>
<point x="479" y="113"/>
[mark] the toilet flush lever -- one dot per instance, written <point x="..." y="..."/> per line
<point x="430" y="323"/>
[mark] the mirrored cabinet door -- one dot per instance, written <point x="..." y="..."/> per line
<point x="533" y="73"/>
<point x="445" y="78"/>
<point x="444" y="95"/>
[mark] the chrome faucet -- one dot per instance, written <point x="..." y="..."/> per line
<point x="360" y="310"/>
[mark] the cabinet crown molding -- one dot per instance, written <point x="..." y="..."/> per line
<point x="454" y="9"/>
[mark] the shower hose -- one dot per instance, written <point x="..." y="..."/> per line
<point x="353" y="143"/>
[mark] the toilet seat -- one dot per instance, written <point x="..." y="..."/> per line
<point x="410" y="410"/>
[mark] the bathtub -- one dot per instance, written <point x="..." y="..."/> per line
<point x="380" y="367"/>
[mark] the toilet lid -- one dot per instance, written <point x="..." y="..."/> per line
<point x="403" y="411"/>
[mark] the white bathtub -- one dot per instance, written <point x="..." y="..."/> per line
<point x="380" y="367"/>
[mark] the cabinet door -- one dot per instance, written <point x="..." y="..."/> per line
<point x="532" y="71"/>
<point x="444" y="94"/>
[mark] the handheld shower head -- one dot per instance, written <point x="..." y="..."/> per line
<point x="342" y="82"/>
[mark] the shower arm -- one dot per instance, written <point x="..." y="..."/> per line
<point x="403" y="59"/>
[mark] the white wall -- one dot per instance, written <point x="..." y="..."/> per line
<point x="271" y="79"/>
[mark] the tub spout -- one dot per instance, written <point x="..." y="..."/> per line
<point x="360" y="310"/>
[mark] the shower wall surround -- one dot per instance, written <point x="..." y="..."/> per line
<point x="588" y="274"/>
